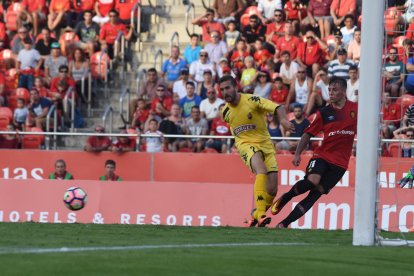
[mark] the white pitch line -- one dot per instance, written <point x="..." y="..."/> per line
<point x="4" y="251"/>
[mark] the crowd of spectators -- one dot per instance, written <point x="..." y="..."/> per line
<point x="283" y="50"/>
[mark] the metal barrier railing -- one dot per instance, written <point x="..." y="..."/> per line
<point x="137" y="9"/>
<point x="87" y="76"/>
<point x="108" y="111"/>
<point x="154" y="8"/>
<point x="190" y="8"/>
<point x="175" y="36"/>
<point x="120" y="43"/>
<point x="52" y="111"/>
<point x="158" y="55"/>
<point x="142" y="75"/>
<point x="125" y="93"/>
<point x="105" y="73"/>
<point x="205" y="5"/>
<point x="70" y="95"/>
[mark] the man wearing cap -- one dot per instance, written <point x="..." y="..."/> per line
<point x="98" y="143"/>
<point x="28" y="61"/>
<point x="53" y="62"/>
<point x="171" y="68"/>
<point x="179" y="89"/>
<point x="44" y="45"/>
<point x="198" y="67"/>
<point x="217" y="48"/>
<point x="340" y="66"/>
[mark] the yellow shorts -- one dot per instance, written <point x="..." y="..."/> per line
<point x="267" y="149"/>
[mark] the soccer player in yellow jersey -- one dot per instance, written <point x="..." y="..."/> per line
<point x="245" y="114"/>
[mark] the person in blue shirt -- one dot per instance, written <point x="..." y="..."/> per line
<point x="190" y="100"/>
<point x="192" y="51"/>
<point x="171" y="68"/>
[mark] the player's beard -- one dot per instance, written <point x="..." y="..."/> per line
<point x="230" y="98"/>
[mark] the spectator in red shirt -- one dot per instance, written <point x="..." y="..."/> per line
<point x="63" y="75"/>
<point x="208" y="25"/>
<point x="124" y="143"/>
<point x="140" y="115"/>
<point x="391" y="115"/>
<point x="124" y="7"/>
<point x="341" y="8"/>
<point x="57" y="11"/>
<point x="4" y="39"/>
<point x="110" y="30"/>
<point x="98" y="143"/>
<point x="219" y="127"/>
<point x="276" y="29"/>
<point x="161" y="104"/>
<point x="35" y="11"/>
<point x="295" y="12"/>
<point x="288" y="42"/>
<point x="9" y="141"/>
<point x="238" y="55"/>
<point x="261" y="55"/>
<point x="279" y="92"/>
<point x="310" y="54"/>
<point x="102" y="8"/>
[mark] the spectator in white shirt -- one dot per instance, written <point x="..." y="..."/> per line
<point x="288" y="69"/>
<point x="209" y="107"/>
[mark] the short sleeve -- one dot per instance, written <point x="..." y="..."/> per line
<point x="315" y="126"/>
<point x="263" y="104"/>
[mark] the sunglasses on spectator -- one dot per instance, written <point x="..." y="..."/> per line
<point x="309" y="37"/>
<point x="203" y="55"/>
<point x="278" y="15"/>
<point x="113" y="15"/>
<point x="252" y="21"/>
<point x="393" y="53"/>
<point x="211" y="92"/>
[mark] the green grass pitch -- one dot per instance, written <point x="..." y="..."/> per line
<point x="292" y="252"/>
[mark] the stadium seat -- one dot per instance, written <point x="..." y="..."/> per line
<point x="31" y="142"/>
<point x="185" y="150"/>
<point x="11" y="80"/>
<point x="6" y="112"/>
<point x="251" y="10"/>
<point x="22" y="93"/>
<point x="398" y="41"/>
<point x="66" y="41"/>
<point x="330" y="40"/>
<point x="394" y="150"/>
<point x="311" y="117"/>
<point x="290" y="116"/>
<point x="244" y="20"/>
<point x="99" y="64"/>
<point x="11" y="16"/>
<point x="40" y="136"/>
<point x="4" y="121"/>
<point x="391" y="17"/>
<point x="6" y="59"/>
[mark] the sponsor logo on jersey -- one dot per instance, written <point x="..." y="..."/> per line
<point x="243" y="128"/>
<point x="341" y="132"/>
<point x="249" y="116"/>
<point x="331" y="118"/>
<point x="352" y="114"/>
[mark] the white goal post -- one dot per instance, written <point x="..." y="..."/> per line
<point x="369" y="99"/>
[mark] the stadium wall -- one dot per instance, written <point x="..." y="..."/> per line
<point x="179" y="189"/>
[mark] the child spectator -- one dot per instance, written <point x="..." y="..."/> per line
<point x="140" y="115"/>
<point x="248" y="73"/>
<point x="154" y="144"/>
<point x="20" y="115"/>
<point x="261" y="54"/>
<point x="232" y="35"/>
<point x="110" y="175"/>
<point x="192" y="50"/>
<point x="279" y="92"/>
<point x="28" y="61"/>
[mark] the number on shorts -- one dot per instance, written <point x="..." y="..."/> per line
<point x="311" y="165"/>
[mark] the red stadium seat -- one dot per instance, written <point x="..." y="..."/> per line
<point x="185" y="150"/>
<point x="99" y="64"/>
<point x="6" y="59"/>
<point x="244" y="20"/>
<point x="284" y="152"/>
<point x="22" y="93"/>
<point x="307" y="153"/>
<point x="330" y="40"/>
<point x="398" y="41"/>
<point x="251" y="10"/>
<point x="40" y="136"/>
<point x="391" y="17"/>
<point x="12" y="102"/>
<point x="11" y="16"/>
<point x="5" y="111"/>
<point x="4" y="121"/>
<point x="394" y="150"/>
<point x="31" y="142"/>
<point x="66" y="42"/>
<point x="11" y="80"/>
<point x="290" y="116"/>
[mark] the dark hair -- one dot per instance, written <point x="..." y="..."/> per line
<point x="339" y="81"/>
<point x="60" y="161"/>
<point x="152" y="70"/>
<point x="281" y="11"/>
<point x="254" y="16"/>
<point x="298" y="106"/>
<point x="232" y="22"/>
<point x="278" y="79"/>
<point x="285" y="52"/>
<point x="349" y="16"/>
<point x="223" y="104"/>
<point x="190" y="83"/>
<point x="153" y="120"/>
<point x="82" y="54"/>
<point x="114" y="11"/>
<point x="21" y="100"/>
<point x="88" y="11"/>
<point x="353" y="67"/>
<point x="194" y="35"/>
<point x="110" y="162"/>
<point x="209" y="10"/>
<point x="357" y="30"/>
<point x="195" y="107"/>
<point x="228" y="78"/>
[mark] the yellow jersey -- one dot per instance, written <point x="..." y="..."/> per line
<point x="247" y="119"/>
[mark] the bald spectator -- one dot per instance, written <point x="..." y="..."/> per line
<point x="171" y="68"/>
<point x="198" y="67"/>
<point x="217" y="48"/>
<point x="98" y="143"/>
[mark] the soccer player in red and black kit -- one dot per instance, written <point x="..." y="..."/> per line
<point x="338" y="122"/>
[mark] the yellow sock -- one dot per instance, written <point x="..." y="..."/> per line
<point x="260" y="195"/>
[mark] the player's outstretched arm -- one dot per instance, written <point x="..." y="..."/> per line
<point x="281" y="114"/>
<point x="303" y="143"/>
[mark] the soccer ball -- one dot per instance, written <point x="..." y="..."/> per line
<point x="75" y="198"/>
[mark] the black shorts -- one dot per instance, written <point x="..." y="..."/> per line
<point x="330" y="173"/>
